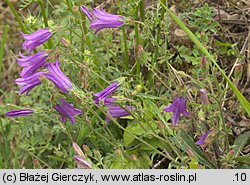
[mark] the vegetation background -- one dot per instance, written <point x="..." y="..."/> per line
<point x="156" y="60"/>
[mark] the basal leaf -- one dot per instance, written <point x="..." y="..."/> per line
<point x="240" y="142"/>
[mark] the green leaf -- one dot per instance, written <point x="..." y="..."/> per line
<point x="82" y="134"/>
<point x="148" y="96"/>
<point x="243" y="159"/>
<point x="154" y="142"/>
<point x="243" y="101"/>
<point x="3" y="40"/>
<point x="184" y="141"/>
<point x="127" y="138"/>
<point x="240" y="142"/>
<point x="135" y="129"/>
<point x="193" y="164"/>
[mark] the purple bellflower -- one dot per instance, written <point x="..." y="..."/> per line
<point x="67" y="111"/>
<point x="117" y="112"/>
<point x="105" y="93"/>
<point x="203" y="137"/>
<point x="58" y="77"/>
<point x="177" y="107"/>
<point x="17" y="113"/>
<point x="36" y="39"/>
<point x="31" y="63"/>
<point x="29" y="82"/>
<point x="101" y="19"/>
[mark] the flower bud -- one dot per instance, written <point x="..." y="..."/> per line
<point x="86" y="149"/>
<point x="65" y="42"/>
<point x="139" y="88"/>
<point x="248" y="71"/>
<point x="230" y="155"/>
<point x="75" y="9"/>
<point x="140" y="49"/>
<point x="77" y="149"/>
<point x="36" y="162"/>
<point x="118" y="153"/>
<point x="190" y="153"/>
<point x="204" y="97"/>
<point x="238" y="71"/>
<point x="97" y="154"/>
<point x="82" y="162"/>
<point x="133" y="157"/>
<point x="203" y="62"/>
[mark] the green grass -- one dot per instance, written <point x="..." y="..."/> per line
<point x="153" y="65"/>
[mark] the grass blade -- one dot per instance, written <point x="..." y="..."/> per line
<point x="5" y="33"/>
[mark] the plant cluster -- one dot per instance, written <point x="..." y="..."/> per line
<point x="124" y="97"/>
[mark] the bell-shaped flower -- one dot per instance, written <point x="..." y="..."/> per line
<point x="105" y="93"/>
<point x="35" y="39"/>
<point x="202" y="138"/>
<point x="67" y="111"/>
<point x="101" y="19"/>
<point x="178" y="107"/>
<point x="17" y="113"/>
<point x="31" y="63"/>
<point x="58" y="77"/>
<point x="29" y="82"/>
<point x="117" y="112"/>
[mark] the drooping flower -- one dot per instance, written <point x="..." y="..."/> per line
<point x="105" y="93"/>
<point x="36" y="39"/>
<point x="17" y="113"/>
<point x="82" y="162"/>
<point x="177" y="107"/>
<point x="117" y="112"/>
<point x="67" y="111"/>
<point x="204" y="97"/>
<point x="203" y="138"/>
<point x="29" y="82"/>
<point x="58" y="77"/>
<point x="31" y="63"/>
<point x="101" y="19"/>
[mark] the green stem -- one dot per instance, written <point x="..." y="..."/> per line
<point x="243" y="101"/>
<point x="151" y="77"/>
<point x="158" y="33"/>
<point x="5" y="33"/>
<point x="137" y="41"/>
<point x="16" y="16"/>
<point x="83" y="33"/>
<point x="126" y="57"/>
<point x="142" y="12"/>
<point x="45" y="20"/>
<point x="227" y="145"/>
